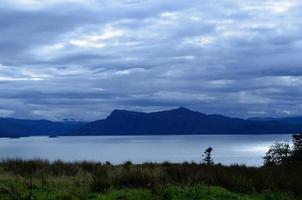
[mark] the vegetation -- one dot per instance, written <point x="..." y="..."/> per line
<point x="207" y="156"/>
<point x="279" y="179"/>
<point x="297" y="148"/>
<point x="284" y="154"/>
<point x="39" y="179"/>
<point x="278" y="154"/>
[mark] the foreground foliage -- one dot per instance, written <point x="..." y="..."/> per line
<point x="61" y="190"/>
<point x="39" y="179"/>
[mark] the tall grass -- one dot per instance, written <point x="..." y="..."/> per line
<point x="102" y="177"/>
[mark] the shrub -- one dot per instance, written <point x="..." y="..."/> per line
<point x="278" y="154"/>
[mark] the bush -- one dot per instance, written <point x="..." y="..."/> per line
<point x="278" y="154"/>
<point x="284" y="154"/>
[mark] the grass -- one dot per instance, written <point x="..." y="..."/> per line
<point x="40" y="179"/>
<point x="69" y="190"/>
<point x="187" y="193"/>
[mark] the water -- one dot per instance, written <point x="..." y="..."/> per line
<point x="228" y="149"/>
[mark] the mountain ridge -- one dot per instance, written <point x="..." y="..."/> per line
<point x="180" y="121"/>
<point x="11" y="127"/>
<point x="167" y="122"/>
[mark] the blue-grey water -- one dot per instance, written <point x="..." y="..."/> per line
<point x="228" y="149"/>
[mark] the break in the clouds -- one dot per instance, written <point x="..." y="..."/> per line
<point x="82" y="58"/>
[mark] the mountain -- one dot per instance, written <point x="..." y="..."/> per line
<point x="175" y="121"/>
<point x="10" y="127"/>
<point x="290" y="120"/>
<point x="181" y="121"/>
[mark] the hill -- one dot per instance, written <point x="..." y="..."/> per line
<point x="173" y="122"/>
<point x="181" y="121"/>
<point x="10" y="127"/>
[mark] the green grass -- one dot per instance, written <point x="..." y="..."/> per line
<point x="41" y="180"/>
<point x="75" y="189"/>
<point x="172" y="192"/>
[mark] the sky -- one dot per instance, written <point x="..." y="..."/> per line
<point x="80" y="59"/>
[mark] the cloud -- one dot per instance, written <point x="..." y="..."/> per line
<point x="81" y="59"/>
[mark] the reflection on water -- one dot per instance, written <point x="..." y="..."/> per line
<point x="228" y="149"/>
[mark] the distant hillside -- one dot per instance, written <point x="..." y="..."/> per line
<point x="10" y="127"/>
<point x="181" y="121"/>
<point x="290" y="120"/>
<point x="176" y="121"/>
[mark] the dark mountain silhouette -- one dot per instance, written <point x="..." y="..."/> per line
<point x="10" y="127"/>
<point x="176" y="121"/>
<point x="181" y="121"/>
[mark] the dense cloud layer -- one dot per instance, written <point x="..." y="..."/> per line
<point x="82" y="58"/>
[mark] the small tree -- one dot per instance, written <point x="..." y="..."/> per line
<point x="278" y="154"/>
<point x="207" y="156"/>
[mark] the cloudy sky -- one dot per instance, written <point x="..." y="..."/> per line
<point x="82" y="58"/>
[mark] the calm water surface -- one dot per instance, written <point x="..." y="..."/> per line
<point x="228" y="149"/>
